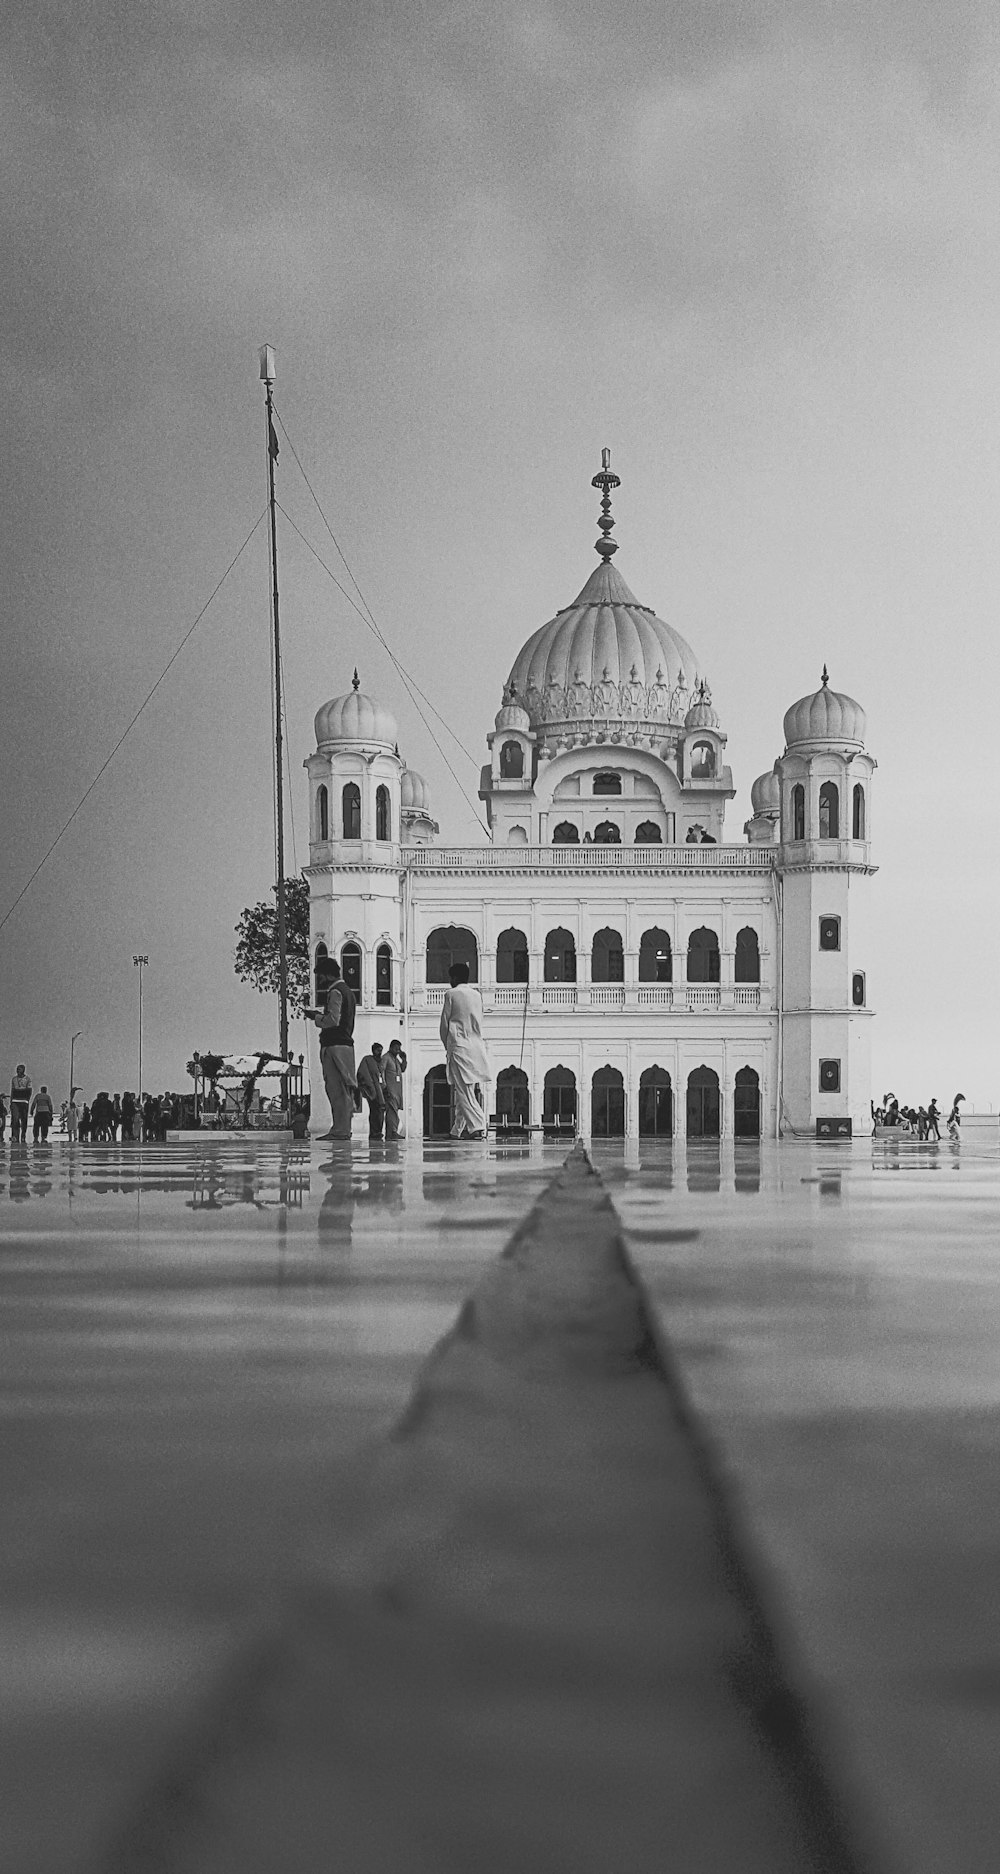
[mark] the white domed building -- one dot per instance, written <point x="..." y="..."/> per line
<point x="641" y="976"/>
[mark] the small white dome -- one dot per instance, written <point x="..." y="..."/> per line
<point x="413" y="791"/>
<point x="765" y="794"/>
<point x="512" y="716"/>
<point x="358" y="719"/>
<point x="826" y="716"/>
<point x="701" y="715"/>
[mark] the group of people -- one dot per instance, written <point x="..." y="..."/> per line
<point x="925" y="1121"/>
<point x="107" y="1120"/>
<point x="378" y="1078"/>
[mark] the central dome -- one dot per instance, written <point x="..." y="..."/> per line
<point x="605" y="656"/>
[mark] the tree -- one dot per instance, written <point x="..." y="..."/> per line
<point x="256" y="956"/>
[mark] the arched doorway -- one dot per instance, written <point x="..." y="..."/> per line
<point x="607" y="958"/>
<point x="437" y="1103"/>
<point x="451" y="943"/>
<point x="559" y="1101"/>
<point x="704" y="1104"/>
<point x="746" y="1104"/>
<point x="607" y="1104"/>
<point x="655" y="960"/>
<point x="829" y="810"/>
<point x="747" y="968"/>
<point x="656" y="1104"/>
<point x="703" y="962"/>
<point x="512" y="956"/>
<point x="566" y="834"/>
<point x="513" y="1102"/>
<point x="350" y="966"/>
<point x="351" y="810"/>
<point x="560" y="957"/>
<point x="607" y="833"/>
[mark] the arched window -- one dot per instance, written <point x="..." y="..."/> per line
<point x="607" y="1104"/>
<point x="566" y="834"/>
<point x="704" y="1105"/>
<point x="447" y="945"/>
<point x="607" y="783"/>
<point x="656" y="1104"/>
<point x="607" y="958"/>
<point x="655" y="960"/>
<point x="383" y="817"/>
<point x="746" y="1104"/>
<point x="383" y="977"/>
<point x="859" y="811"/>
<point x="703" y="956"/>
<point x="322" y="812"/>
<point x="829" y="810"/>
<point x="647" y="833"/>
<point x="321" y="970"/>
<point x="560" y="957"/>
<point x="702" y="761"/>
<point x="511" y="761"/>
<point x="559" y="1101"/>
<point x="350" y="966"/>
<point x="512" y="956"/>
<point x="607" y="834"/>
<point x="513" y="1105"/>
<point x="798" y="811"/>
<point x="747" y="956"/>
<point x="352" y="810"/>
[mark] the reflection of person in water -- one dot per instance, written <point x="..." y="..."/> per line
<point x="336" y="1212"/>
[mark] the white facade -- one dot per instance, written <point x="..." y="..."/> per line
<point x="651" y="948"/>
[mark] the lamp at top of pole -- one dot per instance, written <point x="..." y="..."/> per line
<point x="267" y="370"/>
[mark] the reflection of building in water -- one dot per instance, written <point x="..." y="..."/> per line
<point x="640" y="974"/>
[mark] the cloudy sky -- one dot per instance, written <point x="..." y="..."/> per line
<point x="753" y="248"/>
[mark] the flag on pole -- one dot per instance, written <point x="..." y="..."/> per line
<point x="272" y="440"/>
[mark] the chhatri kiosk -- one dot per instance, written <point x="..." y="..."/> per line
<point x="640" y="975"/>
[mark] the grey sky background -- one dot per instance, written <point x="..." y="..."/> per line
<point x="754" y="249"/>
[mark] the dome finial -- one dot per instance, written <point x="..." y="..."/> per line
<point x="356" y="680"/>
<point x="826" y="677"/>
<point x="605" y="481"/>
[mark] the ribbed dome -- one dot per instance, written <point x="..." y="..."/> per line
<point x="605" y="656"/>
<point x="512" y="716"/>
<point x="356" y="718"/>
<point x="826" y="716"/>
<point x="765" y="794"/>
<point x="413" y="791"/>
<point x="701" y="715"/>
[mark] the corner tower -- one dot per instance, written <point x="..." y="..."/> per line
<point x="823" y="867"/>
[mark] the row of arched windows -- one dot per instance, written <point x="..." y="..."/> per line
<point x="607" y="833"/>
<point x="352" y="970"/>
<point x="829" y="811"/>
<point x="560" y="1102"/>
<point x="453" y="944"/>
<point x="350" y="808"/>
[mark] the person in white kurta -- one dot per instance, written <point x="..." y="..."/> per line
<point x="465" y="1051"/>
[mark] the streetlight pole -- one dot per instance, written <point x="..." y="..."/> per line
<point x="140" y="963"/>
<point x="72" y="1049"/>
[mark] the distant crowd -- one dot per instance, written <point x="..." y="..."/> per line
<point x="108" y="1119"/>
<point x="925" y="1121"/>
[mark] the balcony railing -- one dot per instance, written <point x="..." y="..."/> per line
<point x="589" y="858"/>
<point x="747" y="995"/>
<point x="607" y="995"/>
<point x="703" y="996"/>
<point x="559" y="995"/>
<point x="509" y="995"/>
<point x="656" y="996"/>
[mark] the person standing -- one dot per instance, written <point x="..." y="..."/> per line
<point x="72" y="1120"/>
<point x="955" y="1117"/>
<point x="85" y="1122"/>
<point x="128" y="1116"/>
<point x="335" y="1021"/>
<point x="43" y="1113"/>
<point x="372" y="1088"/>
<point x="933" y="1116"/>
<point x="393" y="1069"/>
<point x="465" y="1052"/>
<point x="20" y="1100"/>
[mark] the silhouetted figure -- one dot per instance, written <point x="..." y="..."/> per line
<point x="42" y="1112"/>
<point x="933" y="1116"/>
<point x="86" y="1121"/>
<point x="393" y="1069"/>
<point x="128" y="1116"/>
<point x="955" y="1117"/>
<point x="20" y="1100"/>
<point x="116" y="1117"/>
<point x="373" y="1089"/>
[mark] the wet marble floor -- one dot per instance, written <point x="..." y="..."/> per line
<point x="194" y="1337"/>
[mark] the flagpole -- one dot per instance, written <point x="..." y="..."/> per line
<point x="267" y="378"/>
